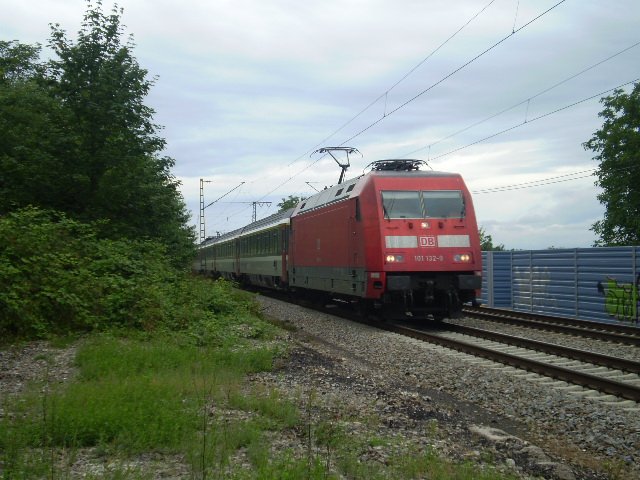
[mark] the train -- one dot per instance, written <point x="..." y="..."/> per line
<point x="398" y="241"/>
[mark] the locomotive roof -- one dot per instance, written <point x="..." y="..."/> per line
<point x="416" y="173"/>
<point x="352" y="187"/>
<point x="332" y="194"/>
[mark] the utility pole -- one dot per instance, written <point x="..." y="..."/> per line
<point x="202" y="227"/>
<point x="255" y="205"/>
<point x="203" y="206"/>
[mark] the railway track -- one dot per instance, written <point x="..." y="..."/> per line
<point x="581" y="372"/>
<point x="624" y="334"/>
<point x="616" y="377"/>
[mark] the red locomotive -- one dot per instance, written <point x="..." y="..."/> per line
<point x="396" y="240"/>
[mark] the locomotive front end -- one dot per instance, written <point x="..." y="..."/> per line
<point x="429" y="256"/>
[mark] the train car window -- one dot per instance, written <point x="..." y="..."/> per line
<point x="444" y="204"/>
<point x="402" y="204"/>
<point x="339" y="192"/>
<point x="351" y="187"/>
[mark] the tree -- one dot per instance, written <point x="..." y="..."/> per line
<point x="18" y="62"/>
<point x="288" y="203"/>
<point x="76" y="136"/>
<point x="486" y="242"/>
<point x="617" y="148"/>
<point x="34" y="139"/>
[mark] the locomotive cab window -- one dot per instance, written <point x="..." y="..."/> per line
<point x="402" y="204"/>
<point x="444" y="204"/>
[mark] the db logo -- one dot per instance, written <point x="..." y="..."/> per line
<point x="427" y="241"/>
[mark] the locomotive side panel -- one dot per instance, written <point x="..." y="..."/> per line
<point x="324" y="255"/>
<point x="370" y="241"/>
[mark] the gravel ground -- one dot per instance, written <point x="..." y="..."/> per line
<point x="377" y="384"/>
<point x="478" y="405"/>
<point x="34" y="361"/>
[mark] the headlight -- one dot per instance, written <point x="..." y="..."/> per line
<point x="462" y="258"/>
<point x="394" y="258"/>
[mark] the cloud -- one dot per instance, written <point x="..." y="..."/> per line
<point x="247" y="89"/>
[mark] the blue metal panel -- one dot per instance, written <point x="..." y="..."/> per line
<point x="486" y="294"/>
<point x="608" y="284"/>
<point x="496" y="279"/>
<point x="599" y="284"/>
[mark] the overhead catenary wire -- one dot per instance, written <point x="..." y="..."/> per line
<point x="549" y="181"/>
<point x="528" y="121"/>
<point x="557" y="110"/>
<point x="385" y="94"/>
<point x="526" y="101"/>
<point x="538" y="183"/>
<point x="451" y="74"/>
<point x="386" y="114"/>
<point x="415" y="97"/>
<point x="567" y="177"/>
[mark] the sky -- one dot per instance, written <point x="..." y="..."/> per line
<point x="504" y="92"/>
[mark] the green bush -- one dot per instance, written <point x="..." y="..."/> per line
<point x="58" y="276"/>
<point x="41" y="274"/>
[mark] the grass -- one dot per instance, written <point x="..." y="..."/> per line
<point x="139" y="394"/>
<point x="131" y="396"/>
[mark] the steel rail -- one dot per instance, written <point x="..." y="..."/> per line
<point x="585" y="328"/>
<point x="612" y="387"/>
<point x="550" y="348"/>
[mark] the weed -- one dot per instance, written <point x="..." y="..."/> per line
<point x="270" y="405"/>
<point x="377" y="442"/>
<point x="615" y="469"/>
<point x="432" y="428"/>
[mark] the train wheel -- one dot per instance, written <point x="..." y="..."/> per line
<point x="365" y="310"/>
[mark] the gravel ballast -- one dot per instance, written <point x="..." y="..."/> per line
<point x="528" y="426"/>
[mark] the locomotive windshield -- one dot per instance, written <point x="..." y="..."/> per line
<point x="402" y="204"/>
<point x="444" y="203"/>
<point x="425" y="204"/>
